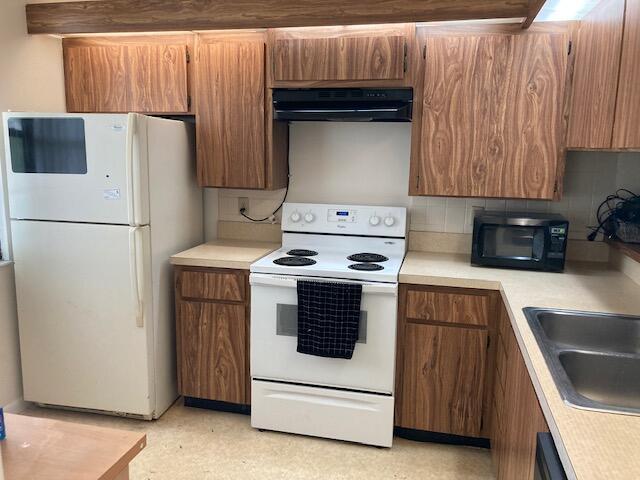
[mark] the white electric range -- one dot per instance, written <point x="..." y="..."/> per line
<point x="328" y="397"/>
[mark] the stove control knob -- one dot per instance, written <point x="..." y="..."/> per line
<point x="389" y="221"/>
<point x="295" y="217"/>
<point x="374" y="221"/>
<point x="309" y="217"/>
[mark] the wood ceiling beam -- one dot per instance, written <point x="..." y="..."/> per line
<point x="103" y="16"/>
<point x="534" y="8"/>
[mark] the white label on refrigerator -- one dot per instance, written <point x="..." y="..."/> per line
<point x="111" y="194"/>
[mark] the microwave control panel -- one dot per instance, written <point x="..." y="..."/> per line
<point x="558" y="240"/>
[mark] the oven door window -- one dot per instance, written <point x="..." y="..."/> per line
<point x="513" y="242"/>
<point x="47" y="145"/>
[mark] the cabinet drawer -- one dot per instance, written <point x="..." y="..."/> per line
<point x="212" y="285"/>
<point x="447" y="307"/>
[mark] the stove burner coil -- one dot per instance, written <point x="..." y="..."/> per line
<point x="366" y="267"/>
<point x="300" y="252"/>
<point x="367" y="258"/>
<point x="294" y="261"/>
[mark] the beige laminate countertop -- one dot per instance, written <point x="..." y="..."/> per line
<point x="592" y="445"/>
<point x="237" y="254"/>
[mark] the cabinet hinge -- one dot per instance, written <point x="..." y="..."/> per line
<point x="488" y="342"/>
<point x="188" y="102"/>
<point x="570" y="47"/>
<point x="555" y="187"/>
<point x="417" y="181"/>
<point x="424" y="52"/>
<point x="405" y="65"/>
<point x="188" y="56"/>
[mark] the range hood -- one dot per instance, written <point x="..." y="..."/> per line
<point x="343" y="104"/>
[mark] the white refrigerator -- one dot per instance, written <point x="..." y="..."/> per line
<point x="98" y="203"/>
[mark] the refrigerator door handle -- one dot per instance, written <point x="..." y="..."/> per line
<point x="136" y="267"/>
<point x="133" y="170"/>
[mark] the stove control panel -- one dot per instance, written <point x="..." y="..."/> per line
<point x="367" y="220"/>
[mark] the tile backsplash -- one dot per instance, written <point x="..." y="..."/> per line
<point x="327" y="167"/>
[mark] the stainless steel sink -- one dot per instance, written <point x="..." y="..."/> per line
<point x="594" y="358"/>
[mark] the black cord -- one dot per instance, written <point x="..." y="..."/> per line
<point x="284" y="199"/>
<point x="615" y="207"/>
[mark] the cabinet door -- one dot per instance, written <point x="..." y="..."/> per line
<point x="230" y="112"/>
<point x="211" y="351"/>
<point x="340" y="58"/>
<point x="626" y="131"/>
<point x="534" y="127"/>
<point x="127" y="75"/>
<point x="518" y="412"/>
<point x="597" y="46"/>
<point x="95" y="78"/>
<point x="443" y="377"/>
<point x="492" y="116"/>
<point x="158" y="78"/>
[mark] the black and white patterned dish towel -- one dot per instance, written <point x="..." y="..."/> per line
<point x="328" y="318"/>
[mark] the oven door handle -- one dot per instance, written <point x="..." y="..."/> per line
<point x="280" y="281"/>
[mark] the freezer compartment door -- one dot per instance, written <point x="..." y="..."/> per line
<point x="320" y="412"/>
<point x="77" y="167"/>
<point x="84" y="311"/>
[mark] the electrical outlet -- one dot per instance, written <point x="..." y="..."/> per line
<point x="243" y="203"/>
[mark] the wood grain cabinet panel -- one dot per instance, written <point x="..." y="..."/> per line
<point x="230" y="112"/>
<point x="125" y="74"/>
<point x="213" y="285"/>
<point x="518" y="415"/>
<point x="444" y="369"/>
<point x="447" y="307"/>
<point x="158" y="78"/>
<point x="95" y="78"/>
<point x="626" y="131"/>
<point x="492" y="116"/>
<point x="597" y="45"/>
<point x="462" y="108"/>
<point x="212" y="351"/>
<point x="339" y="58"/>
<point x="534" y="119"/>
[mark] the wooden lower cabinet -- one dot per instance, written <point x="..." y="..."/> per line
<point x="443" y="359"/>
<point x="212" y="335"/>
<point x="459" y="371"/>
<point x="443" y="390"/>
<point x="212" y="351"/>
<point x="517" y="414"/>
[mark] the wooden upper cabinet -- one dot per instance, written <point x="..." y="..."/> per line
<point x="626" y="130"/>
<point x="597" y="46"/>
<point x="360" y="58"/>
<point x="230" y="111"/>
<point x="492" y="121"/>
<point x="330" y="55"/>
<point x="127" y="74"/>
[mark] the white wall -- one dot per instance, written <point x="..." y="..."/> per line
<point x="31" y="78"/>
<point x="369" y="164"/>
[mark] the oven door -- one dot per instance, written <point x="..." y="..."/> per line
<point x="274" y="322"/>
<point x="510" y="245"/>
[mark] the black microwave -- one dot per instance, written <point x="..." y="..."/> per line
<point x="535" y="241"/>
